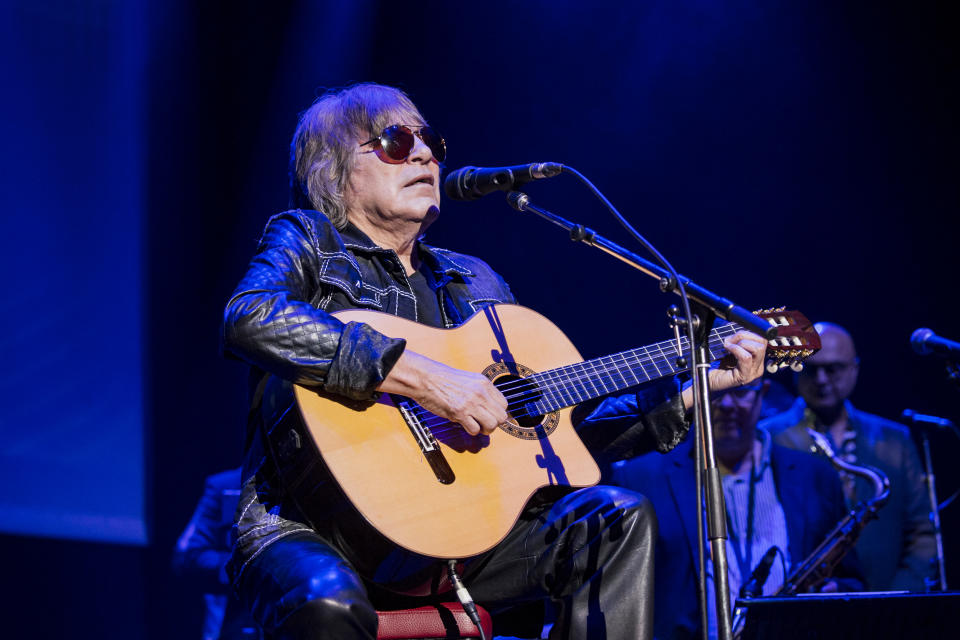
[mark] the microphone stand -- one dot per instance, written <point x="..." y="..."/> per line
<point x="934" y="510"/>
<point x="709" y="306"/>
<point x="923" y="423"/>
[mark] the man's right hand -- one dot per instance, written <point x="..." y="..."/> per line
<point x="464" y="397"/>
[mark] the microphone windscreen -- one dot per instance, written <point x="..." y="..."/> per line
<point x="918" y="340"/>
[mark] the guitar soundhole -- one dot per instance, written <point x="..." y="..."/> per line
<point x="525" y="421"/>
<point x="520" y="395"/>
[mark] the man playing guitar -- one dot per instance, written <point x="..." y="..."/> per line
<point x="307" y="562"/>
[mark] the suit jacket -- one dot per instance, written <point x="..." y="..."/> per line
<point x="809" y="492"/>
<point x="898" y="548"/>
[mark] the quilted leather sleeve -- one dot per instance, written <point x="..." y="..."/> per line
<point x="272" y="323"/>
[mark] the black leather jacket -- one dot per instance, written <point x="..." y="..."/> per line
<point x="279" y="321"/>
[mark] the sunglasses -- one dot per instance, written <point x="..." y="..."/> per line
<point x="397" y="142"/>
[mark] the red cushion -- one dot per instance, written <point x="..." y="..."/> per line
<point x="431" y="622"/>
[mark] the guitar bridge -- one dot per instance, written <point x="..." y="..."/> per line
<point x="425" y="439"/>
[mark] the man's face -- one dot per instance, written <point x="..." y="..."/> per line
<point x="734" y="414"/>
<point x="392" y="192"/>
<point x="829" y="376"/>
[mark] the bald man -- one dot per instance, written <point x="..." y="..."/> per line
<point x="898" y="549"/>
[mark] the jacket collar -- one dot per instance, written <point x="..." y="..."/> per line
<point x="438" y="260"/>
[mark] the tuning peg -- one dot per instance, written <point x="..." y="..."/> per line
<point x="773" y="367"/>
<point x="797" y="366"/>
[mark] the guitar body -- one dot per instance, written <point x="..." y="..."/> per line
<point x="379" y="461"/>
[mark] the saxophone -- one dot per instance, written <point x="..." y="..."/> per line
<point x="819" y="565"/>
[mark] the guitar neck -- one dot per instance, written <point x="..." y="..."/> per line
<point x="572" y="384"/>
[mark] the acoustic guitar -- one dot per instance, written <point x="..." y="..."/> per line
<point x="433" y="489"/>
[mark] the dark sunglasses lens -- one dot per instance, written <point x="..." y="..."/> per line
<point x="396" y="142"/>
<point x="435" y="141"/>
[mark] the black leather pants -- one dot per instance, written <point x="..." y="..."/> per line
<point x="591" y="552"/>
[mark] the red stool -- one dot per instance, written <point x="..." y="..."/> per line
<point x="441" y="622"/>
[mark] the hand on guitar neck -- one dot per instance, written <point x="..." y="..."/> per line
<point x="464" y="397"/>
<point x="744" y="365"/>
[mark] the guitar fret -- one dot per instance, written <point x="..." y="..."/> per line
<point x="637" y="368"/>
<point x="615" y="367"/>
<point x="559" y="393"/>
<point x="613" y="372"/>
<point x="591" y="378"/>
<point x="598" y="376"/>
<point x="584" y="375"/>
<point x="629" y="369"/>
<point x="569" y="385"/>
<point x="669" y="351"/>
<point x="645" y="360"/>
<point x="666" y="359"/>
<point x="654" y="362"/>
<point x="548" y="394"/>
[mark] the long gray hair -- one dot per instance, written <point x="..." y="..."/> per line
<point x="324" y="144"/>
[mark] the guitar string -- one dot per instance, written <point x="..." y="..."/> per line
<point x="670" y="344"/>
<point x="566" y="377"/>
<point x="604" y="372"/>
<point x="666" y="349"/>
<point x="648" y="355"/>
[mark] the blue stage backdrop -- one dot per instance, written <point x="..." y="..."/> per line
<point x="72" y="158"/>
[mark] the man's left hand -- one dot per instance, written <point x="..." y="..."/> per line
<point x="748" y="351"/>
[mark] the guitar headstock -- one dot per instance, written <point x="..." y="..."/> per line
<point x="796" y="339"/>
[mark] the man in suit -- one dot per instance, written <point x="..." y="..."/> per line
<point x="775" y="497"/>
<point x="897" y="550"/>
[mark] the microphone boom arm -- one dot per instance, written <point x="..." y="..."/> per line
<point x="723" y="307"/>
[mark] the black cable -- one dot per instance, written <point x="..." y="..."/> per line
<point x="783" y="561"/>
<point x="701" y="587"/>
<point x="466" y="600"/>
<point x="946" y="503"/>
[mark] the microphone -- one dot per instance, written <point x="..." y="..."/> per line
<point x="920" y="419"/>
<point x="470" y="183"/>
<point x="917" y="420"/>
<point x="925" y="341"/>
<point x="754" y="587"/>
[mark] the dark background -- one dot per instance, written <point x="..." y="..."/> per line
<point x="780" y="153"/>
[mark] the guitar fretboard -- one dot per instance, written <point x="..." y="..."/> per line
<point x="570" y="385"/>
